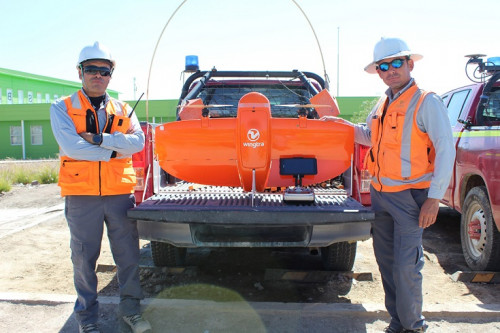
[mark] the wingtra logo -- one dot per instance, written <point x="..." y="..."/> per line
<point x="253" y="135"/>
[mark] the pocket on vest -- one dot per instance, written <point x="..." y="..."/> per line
<point x="77" y="176"/>
<point x="391" y="164"/>
<point x="118" y="177"/>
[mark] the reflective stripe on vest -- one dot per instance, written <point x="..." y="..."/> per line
<point x="403" y="155"/>
<point x="79" y="177"/>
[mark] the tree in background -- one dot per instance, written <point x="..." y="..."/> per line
<point x="360" y="115"/>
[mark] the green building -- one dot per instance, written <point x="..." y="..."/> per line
<point x="25" y="100"/>
<point x="25" y="131"/>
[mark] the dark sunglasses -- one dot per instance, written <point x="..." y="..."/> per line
<point x="93" y="70"/>
<point x="396" y="63"/>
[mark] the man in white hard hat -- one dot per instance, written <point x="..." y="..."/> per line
<point x="97" y="135"/>
<point x="411" y="160"/>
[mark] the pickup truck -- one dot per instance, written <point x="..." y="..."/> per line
<point x="249" y="164"/>
<point x="474" y="189"/>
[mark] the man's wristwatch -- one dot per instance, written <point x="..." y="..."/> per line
<point x="97" y="139"/>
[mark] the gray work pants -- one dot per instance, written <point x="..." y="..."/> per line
<point x="86" y="216"/>
<point x="397" y="243"/>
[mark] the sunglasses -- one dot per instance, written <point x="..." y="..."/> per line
<point x="396" y="63"/>
<point x="93" y="70"/>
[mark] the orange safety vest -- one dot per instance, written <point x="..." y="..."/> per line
<point x="79" y="177"/>
<point x="402" y="156"/>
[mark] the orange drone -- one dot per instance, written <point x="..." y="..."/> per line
<point x="255" y="150"/>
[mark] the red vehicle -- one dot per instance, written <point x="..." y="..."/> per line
<point x="143" y="166"/>
<point x="249" y="164"/>
<point x="474" y="189"/>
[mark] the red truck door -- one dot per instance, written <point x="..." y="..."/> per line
<point x="458" y="102"/>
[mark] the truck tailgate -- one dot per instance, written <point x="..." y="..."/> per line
<point x="186" y="203"/>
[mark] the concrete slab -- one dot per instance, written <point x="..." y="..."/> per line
<point x="53" y="313"/>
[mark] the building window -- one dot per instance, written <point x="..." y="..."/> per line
<point x="30" y="97"/>
<point x="38" y="97"/>
<point x="15" y="136"/>
<point x="20" y="97"/>
<point x="10" y="98"/>
<point x="47" y="98"/>
<point x="0" y="96"/>
<point x="36" y="135"/>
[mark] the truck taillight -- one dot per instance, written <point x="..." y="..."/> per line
<point x="365" y="181"/>
<point x="139" y="174"/>
<point x="363" y="177"/>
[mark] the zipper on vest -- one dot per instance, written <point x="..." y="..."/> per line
<point x="378" y="166"/>
<point x="97" y="130"/>
<point x="379" y="139"/>
<point x="100" y="192"/>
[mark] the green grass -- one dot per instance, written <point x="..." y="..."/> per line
<point x="22" y="172"/>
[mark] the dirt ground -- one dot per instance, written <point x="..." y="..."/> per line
<point x="37" y="260"/>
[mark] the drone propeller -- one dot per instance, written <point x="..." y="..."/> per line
<point x="202" y="106"/>
<point x="304" y="105"/>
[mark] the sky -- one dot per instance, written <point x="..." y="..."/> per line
<point x="45" y="38"/>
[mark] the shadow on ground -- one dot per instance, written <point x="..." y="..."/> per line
<point x="219" y="286"/>
<point x="226" y="290"/>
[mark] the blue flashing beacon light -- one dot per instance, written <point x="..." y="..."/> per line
<point x="192" y="63"/>
<point x="492" y="64"/>
<point x="494" y="61"/>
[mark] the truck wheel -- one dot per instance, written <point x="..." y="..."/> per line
<point x="479" y="235"/>
<point x="165" y="254"/>
<point x="339" y="256"/>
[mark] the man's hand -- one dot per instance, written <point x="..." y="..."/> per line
<point x="332" y="118"/>
<point x="428" y="213"/>
<point x="87" y="136"/>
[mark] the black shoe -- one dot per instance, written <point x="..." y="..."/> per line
<point x="89" y="328"/>
<point x="416" y="330"/>
<point x="390" y="329"/>
<point x="137" y="323"/>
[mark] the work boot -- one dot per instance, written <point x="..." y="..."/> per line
<point x="390" y="329"/>
<point x="137" y="323"/>
<point x="89" y="328"/>
<point x="416" y="330"/>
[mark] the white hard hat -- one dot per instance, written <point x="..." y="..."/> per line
<point x="95" y="52"/>
<point x="390" y="48"/>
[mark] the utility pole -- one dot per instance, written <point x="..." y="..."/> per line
<point x="338" y="60"/>
<point x="135" y="88"/>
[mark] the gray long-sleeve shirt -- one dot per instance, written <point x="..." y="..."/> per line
<point x="432" y="118"/>
<point x="73" y="145"/>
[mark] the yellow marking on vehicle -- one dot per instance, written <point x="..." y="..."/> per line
<point x="477" y="134"/>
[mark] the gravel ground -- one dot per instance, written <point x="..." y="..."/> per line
<point x="223" y="288"/>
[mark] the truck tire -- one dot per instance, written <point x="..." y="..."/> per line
<point x="339" y="256"/>
<point x="479" y="235"/>
<point x="167" y="255"/>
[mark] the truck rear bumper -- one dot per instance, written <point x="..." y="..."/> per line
<point x="209" y="235"/>
<point x="229" y="219"/>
